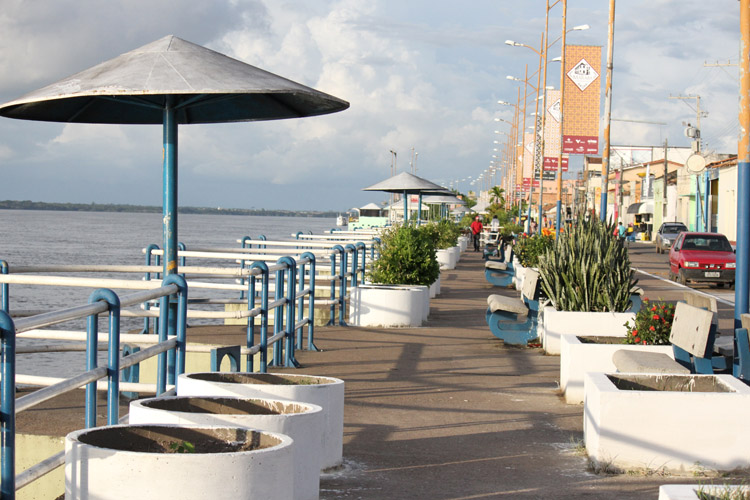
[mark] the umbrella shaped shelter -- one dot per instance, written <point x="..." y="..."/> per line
<point x="443" y="200"/>
<point x="171" y="82"/>
<point x="407" y="183"/>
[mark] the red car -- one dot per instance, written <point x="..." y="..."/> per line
<point x="702" y="257"/>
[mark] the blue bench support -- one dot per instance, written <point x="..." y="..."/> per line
<point x="741" y="364"/>
<point x="500" y="272"/>
<point x="512" y="320"/>
<point x="234" y="353"/>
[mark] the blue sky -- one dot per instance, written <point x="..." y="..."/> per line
<point x="418" y="74"/>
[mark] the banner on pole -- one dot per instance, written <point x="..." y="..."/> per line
<point x="582" y="87"/>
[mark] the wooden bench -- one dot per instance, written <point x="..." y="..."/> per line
<point x="500" y="272"/>
<point x="515" y="320"/>
<point x="692" y="337"/>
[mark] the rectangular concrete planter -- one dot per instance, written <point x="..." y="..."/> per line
<point x="690" y="491"/>
<point x="600" y="324"/>
<point x="519" y="271"/>
<point x="447" y="258"/>
<point x="637" y="421"/>
<point x="578" y="357"/>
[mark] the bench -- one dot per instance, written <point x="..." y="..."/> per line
<point x="692" y="337"/>
<point x="500" y="272"/>
<point x="514" y="320"/>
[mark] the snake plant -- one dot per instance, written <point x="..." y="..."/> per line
<point x="588" y="269"/>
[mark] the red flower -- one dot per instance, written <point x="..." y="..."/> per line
<point x="653" y="308"/>
<point x="656" y="316"/>
<point x="634" y="332"/>
<point x="652" y="328"/>
<point x="644" y="342"/>
<point x="636" y="339"/>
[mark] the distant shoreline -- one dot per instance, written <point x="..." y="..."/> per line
<point x="145" y="209"/>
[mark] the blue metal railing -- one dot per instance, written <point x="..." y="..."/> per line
<point x="101" y="301"/>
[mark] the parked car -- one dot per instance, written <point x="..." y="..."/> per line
<point x="702" y="257"/>
<point x="667" y="233"/>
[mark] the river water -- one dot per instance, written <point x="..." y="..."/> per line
<point x="29" y="237"/>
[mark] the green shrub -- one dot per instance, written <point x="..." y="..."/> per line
<point x="588" y="269"/>
<point x="652" y="324"/>
<point x="528" y="249"/>
<point x="407" y="257"/>
<point x="509" y="231"/>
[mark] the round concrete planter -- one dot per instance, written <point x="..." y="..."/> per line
<point x="303" y="422"/>
<point x="326" y="392"/>
<point x="463" y="242"/>
<point x="388" y="305"/>
<point x="446" y="258"/>
<point x="133" y="462"/>
<point x="435" y="288"/>
<point x="456" y="254"/>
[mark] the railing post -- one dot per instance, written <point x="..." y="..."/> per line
<point x="181" y="248"/>
<point x="355" y="262"/>
<point x="291" y="292"/>
<point x="180" y="326"/>
<point x="161" y="370"/>
<point x="343" y="264"/>
<point x="278" y="315"/>
<point x="146" y="321"/>
<point x="8" y="407"/>
<point x="263" y="318"/>
<point x="335" y="252"/>
<point x="243" y="281"/>
<point x="363" y="252"/>
<point x="310" y="302"/>
<point x="113" y="357"/>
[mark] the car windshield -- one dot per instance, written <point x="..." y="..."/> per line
<point x="678" y="228"/>
<point x="707" y="243"/>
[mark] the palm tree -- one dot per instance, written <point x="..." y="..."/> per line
<point x="497" y="195"/>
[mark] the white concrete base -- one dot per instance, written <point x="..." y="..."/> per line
<point x="601" y="324"/>
<point x="577" y="358"/>
<point x="456" y="253"/>
<point x="446" y="258"/>
<point x="326" y="392"/>
<point x="388" y="305"/>
<point x="303" y="422"/>
<point x="463" y="242"/>
<point x="672" y="430"/>
<point x="113" y="472"/>
<point x="690" y="491"/>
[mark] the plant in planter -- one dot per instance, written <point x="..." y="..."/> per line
<point x="652" y="324"/>
<point x="407" y="257"/>
<point x="529" y="248"/>
<point x="588" y="269"/>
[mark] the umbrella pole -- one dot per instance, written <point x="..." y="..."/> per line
<point x="169" y="200"/>
<point x="169" y="212"/>
<point x="419" y="211"/>
<point x="406" y="209"/>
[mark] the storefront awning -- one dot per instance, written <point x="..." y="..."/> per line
<point x="641" y="208"/>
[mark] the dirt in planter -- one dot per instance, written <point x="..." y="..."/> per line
<point x="169" y="439"/>
<point x="258" y="378"/>
<point x="601" y="340"/>
<point x="225" y="406"/>
<point x="676" y="383"/>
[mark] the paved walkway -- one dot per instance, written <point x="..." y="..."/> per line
<point x="446" y="411"/>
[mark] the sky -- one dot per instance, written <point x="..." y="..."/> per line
<point x="422" y="77"/>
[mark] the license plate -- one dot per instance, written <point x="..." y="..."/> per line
<point x="713" y="274"/>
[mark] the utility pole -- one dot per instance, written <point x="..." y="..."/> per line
<point x="698" y="115"/>
<point x="664" y="206"/>
<point x="743" y="171"/>
<point x="607" y="112"/>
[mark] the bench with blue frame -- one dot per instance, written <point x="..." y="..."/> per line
<point x="514" y="320"/>
<point x="500" y="272"/>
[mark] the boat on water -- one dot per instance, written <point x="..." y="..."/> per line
<point x="341" y="220"/>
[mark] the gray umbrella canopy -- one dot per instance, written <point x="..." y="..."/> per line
<point x="406" y="183"/>
<point x="437" y="199"/>
<point x="206" y="87"/>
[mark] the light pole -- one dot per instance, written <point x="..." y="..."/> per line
<point x="608" y="112"/>
<point x="741" y="292"/>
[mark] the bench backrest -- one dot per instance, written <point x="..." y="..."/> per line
<point x="745" y="320"/>
<point x="703" y="301"/>
<point x="692" y="330"/>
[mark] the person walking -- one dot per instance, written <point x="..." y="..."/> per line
<point x="476" y="232"/>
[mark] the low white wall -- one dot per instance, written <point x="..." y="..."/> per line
<point x="690" y="491"/>
<point x="677" y="431"/>
<point x="578" y="358"/>
<point x="601" y="324"/>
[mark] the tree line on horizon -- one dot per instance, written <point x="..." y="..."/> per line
<point x="116" y="207"/>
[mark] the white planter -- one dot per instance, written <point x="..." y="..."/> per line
<point x="601" y="324"/>
<point x="435" y="288"/>
<point x="108" y="463"/>
<point x="326" y="392"/>
<point x="519" y="272"/>
<point x="303" y="422"/>
<point x="456" y="254"/>
<point x="669" y="429"/>
<point x="388" y="305"/>
<point x="446" y="258"/>
<point x="690" y="491"/>
<point x="577" y="358"/>
<point x="463" y="242"/>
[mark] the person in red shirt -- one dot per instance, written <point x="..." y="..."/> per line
<point x="476" y="231"/>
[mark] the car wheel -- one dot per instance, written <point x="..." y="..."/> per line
<point x="719" y="285"/>
<point x="671" y="275"/>
<point x="681" y="277"/>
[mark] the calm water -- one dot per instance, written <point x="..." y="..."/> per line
<point x="37" y="237"/>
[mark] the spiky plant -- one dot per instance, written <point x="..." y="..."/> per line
<point x="588" y="269"/>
